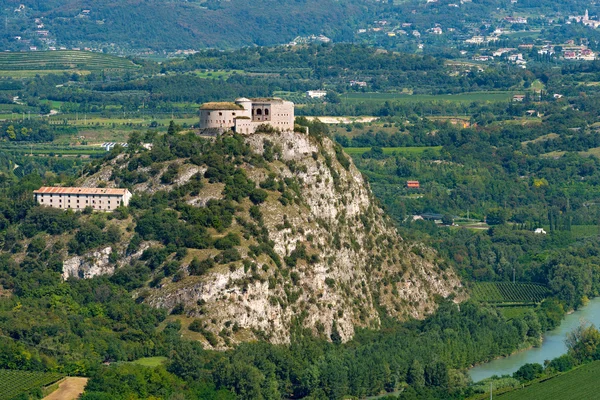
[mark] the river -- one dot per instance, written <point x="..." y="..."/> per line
<point x="552" y="346"/>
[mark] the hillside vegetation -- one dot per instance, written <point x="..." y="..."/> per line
<point x="236" y="233"/>
<point x="219" y="233"/>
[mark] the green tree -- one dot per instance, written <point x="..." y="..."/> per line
<point x="529" y="372"/>
<point x="582" y="343"/>
<point x="10" y="131"/>
<point x="447" y="219"/>
<point x="496" y="216"/>
<point x="416" y="374"/>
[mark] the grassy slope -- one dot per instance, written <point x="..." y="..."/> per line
<point x="581" y="383"/>
<point x="150" y="361"/>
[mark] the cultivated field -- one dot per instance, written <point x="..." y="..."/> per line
<point x="13" y="383"/>
<point x="217" y="74"/>
<point x="581" y="383"/>
<point x="25" y="64"/>
<point x="400" y="97"/>
<point x="356" y="151"/>
<point x="509" y="293"/>
<point x="70" y="388"/>
<point x="297" y="97"/>
<point x="150" y="361"/>
<point x="47" y="149"/>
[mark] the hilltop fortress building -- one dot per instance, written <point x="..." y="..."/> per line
<point x="245" y="115"/>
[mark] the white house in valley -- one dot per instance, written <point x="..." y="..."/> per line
<point x="78" y="198"/>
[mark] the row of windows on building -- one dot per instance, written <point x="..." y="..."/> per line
<point x="50" y="201"/>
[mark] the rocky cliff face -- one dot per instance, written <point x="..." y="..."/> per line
<point x="341" y="260"/>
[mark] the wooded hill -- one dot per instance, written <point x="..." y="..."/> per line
<point x="180" y="24"/>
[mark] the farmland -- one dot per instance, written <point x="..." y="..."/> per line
<point x="217" y="74"/>
<point x="509" y="293"/>
<point x="13" y="383"/>
<point x="297" y="97"/>
<point x="150" y="361"/>
<point x="581" y="383"/>
<point x="21" y="65"/>
<point x="407" y="98"/>
<point x="357" y="151"/>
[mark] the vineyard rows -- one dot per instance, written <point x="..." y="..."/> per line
<point x="13" y="383"/>
<point x="506" y="292"/>
<point x="61" y="60"/>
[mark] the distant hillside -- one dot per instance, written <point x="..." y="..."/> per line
<point x="181" y="24"/>
<point x="135" y="25"/>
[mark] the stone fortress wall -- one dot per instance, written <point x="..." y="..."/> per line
<point x="244" y="116"/>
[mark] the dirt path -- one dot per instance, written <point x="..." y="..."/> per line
<point x="69" y="389"/>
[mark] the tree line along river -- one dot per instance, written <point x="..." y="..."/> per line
<point x="552" y="346"/>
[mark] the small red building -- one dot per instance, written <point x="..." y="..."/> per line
<point x="412" y="184"/>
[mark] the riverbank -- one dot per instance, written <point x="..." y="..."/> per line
<point x="552" y="345"/>
<point x="520" y="350"/>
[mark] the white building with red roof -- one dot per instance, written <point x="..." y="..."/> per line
<point x="78" y="198"/>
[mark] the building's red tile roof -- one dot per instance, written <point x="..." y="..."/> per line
<point x="79" y="190"/>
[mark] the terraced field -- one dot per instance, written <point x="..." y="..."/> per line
<point x="509" y="293"/>
<point x="62" y="60"/>
<point x="13" y="383"/>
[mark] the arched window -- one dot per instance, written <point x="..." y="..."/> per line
<point x="266" y="111"/>
<point x="258" y="111"/>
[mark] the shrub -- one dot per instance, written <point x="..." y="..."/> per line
<point x="196" y="326"/>
<point x="169" y="175"/>
<point x="528" y="372"/>
<point x="229" y="255"/>
<point x="227" y="242"/>
<point x="198" y="267"/>
<point x="258" y="196"/>
<point x="178" y="309"/>
<point x="51" y="220"/>
<point x="171" y="267"/>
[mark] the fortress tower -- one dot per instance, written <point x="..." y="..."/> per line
<point x="244" y="115"/>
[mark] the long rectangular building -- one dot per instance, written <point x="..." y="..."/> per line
<point x="78" y="198"/>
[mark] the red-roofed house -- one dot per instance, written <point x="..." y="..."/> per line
<point x="78" y="198"/>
